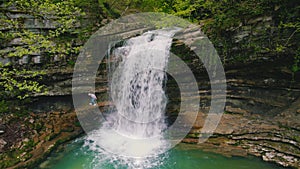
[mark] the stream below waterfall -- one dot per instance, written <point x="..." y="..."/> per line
<point x="77" y="155"/>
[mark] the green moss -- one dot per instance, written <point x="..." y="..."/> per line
<point x="29" y="145"/>
<point x="9" y="158"/>
<point x="51" y="136"/>
<point x="297" y="138"/>
<point x="77" y="123"/>
<point x="38" y="126"/>
<point x="193" y="135"/>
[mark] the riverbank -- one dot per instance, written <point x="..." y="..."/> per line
<point x="29" y="139"/>
<point x="37" y="135"/>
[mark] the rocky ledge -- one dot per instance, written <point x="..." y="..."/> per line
<point x="262" y="111"/>
<point x="26" y="140"/>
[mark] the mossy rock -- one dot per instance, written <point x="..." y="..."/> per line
<point x="51" y="136"/>
<point x="67" y="128"/>
<point x="193" y="135"/>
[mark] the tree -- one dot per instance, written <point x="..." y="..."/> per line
<point x="59" y="24"/>
<point x="20" y="83"/>
<point x="63" y="19"/>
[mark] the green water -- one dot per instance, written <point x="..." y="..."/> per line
<point x="77" y="156"/>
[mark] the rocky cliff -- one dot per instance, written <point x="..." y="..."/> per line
<point x="261" y="115"/>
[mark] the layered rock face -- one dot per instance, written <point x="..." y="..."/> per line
<point x="261" y="116"/>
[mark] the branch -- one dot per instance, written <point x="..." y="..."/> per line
<point x="290" y="38"/>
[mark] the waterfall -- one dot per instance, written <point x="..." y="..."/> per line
<point x="134" y="128"/>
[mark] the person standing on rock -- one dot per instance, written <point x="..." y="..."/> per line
<point x="93" y="99"/>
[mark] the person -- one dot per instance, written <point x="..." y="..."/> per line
<point x="93" y="99"/>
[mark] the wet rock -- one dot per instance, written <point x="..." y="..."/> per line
<point x="67" y="128"/>
<point x="269" y="156"/>
<point x="50" y="147"/>
<point x="40" y="144"/>
<point x="235" y="110"/>
<point x="44" y="164"/>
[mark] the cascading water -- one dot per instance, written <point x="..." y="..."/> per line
<point x="133" y="132"/>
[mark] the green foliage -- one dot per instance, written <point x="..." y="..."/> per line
<point x="3" y="106"/>
<point x="20" y="83"/>
<point x="71" y="62"/>
<point x="62" y="16"/>
<point x="296" y="65"/>
<point x="222" y="19"/>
